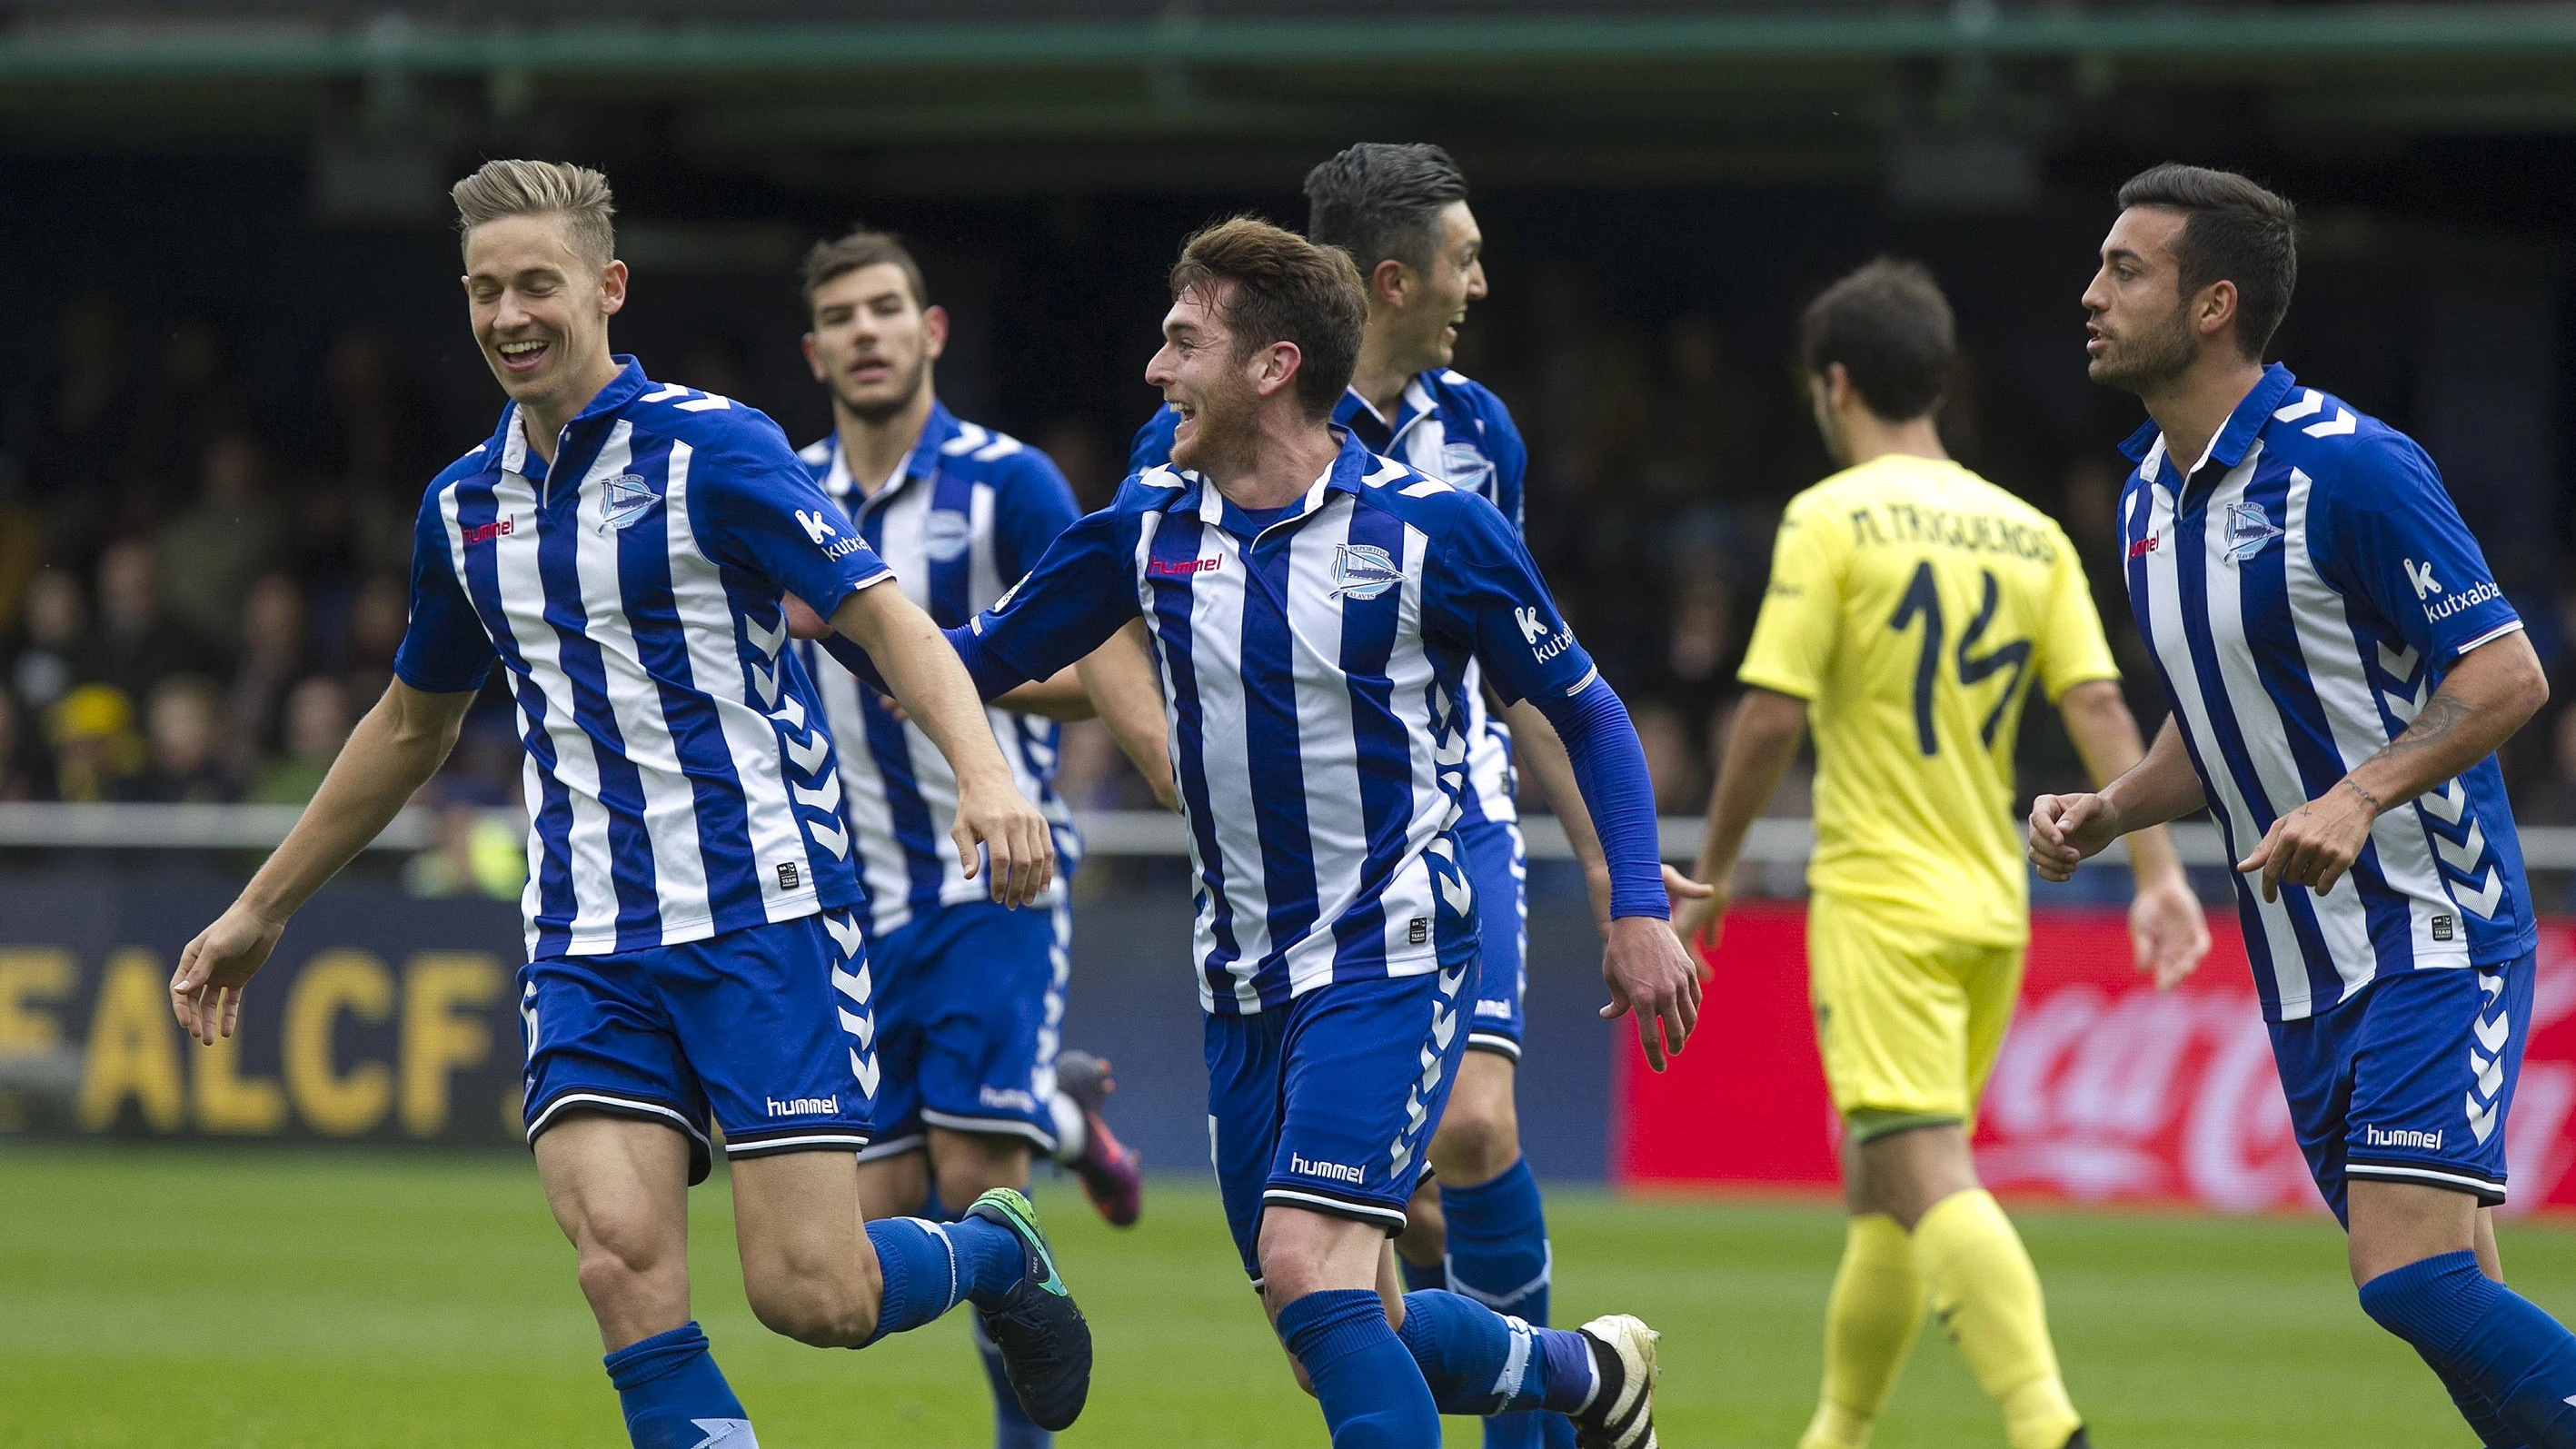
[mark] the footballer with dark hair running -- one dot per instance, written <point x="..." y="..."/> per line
<point x="970" y="997"/>
<point x="1400" y="210"/>
<point x="2342" y="667"/>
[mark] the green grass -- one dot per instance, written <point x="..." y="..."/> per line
<point x="255" y="1298"/>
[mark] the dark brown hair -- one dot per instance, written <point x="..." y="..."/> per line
<point x="1379" y="199"/>
<point x="2232" y="231"/>
<point x="1890" y="328"/>
<point x="862" y="248"/>
<point x="1286" y="289"/>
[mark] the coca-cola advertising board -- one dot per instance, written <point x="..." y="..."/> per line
<point x="2107" y="1090"/>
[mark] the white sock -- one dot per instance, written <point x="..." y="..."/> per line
<point x="1072" y="1135"/>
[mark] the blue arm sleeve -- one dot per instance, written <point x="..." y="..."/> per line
<point x="444" y="649"/>
<point x="1079" y="594"/>
<point x="755" y="508"/>
<point x="1153" y="445"/>
<point x="1482" y="591"/>
<point x="1610" y="766"/>
<point x="1033" y="504"/>
<point x="2392" y="537"/>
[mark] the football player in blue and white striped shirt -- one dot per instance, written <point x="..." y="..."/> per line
<point x="970" y="995"/>
<point x="623" y="548"/>
<point x="1401" y="212"/>
<point x="1315" y="610"/>
<point x="2342" y="668"/>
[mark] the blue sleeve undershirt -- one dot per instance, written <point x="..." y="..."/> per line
<point x="1610" y="766"/>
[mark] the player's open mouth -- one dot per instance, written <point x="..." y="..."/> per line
<point x="871" y="370"/>
<point x="2095" y="339"/>
<point x="523" y="356"/>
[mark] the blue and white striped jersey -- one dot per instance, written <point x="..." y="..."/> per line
<point x="680" y="779"/>
<point x="964" y="517"/>
<point x="1314" y="667"/>
<point x="1452" y="428"/>
<point x="2304" y="591"/>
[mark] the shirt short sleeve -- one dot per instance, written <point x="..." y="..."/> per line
<point x="1033" y="505"/>
<point x="2072" y="649"/>
<point x="755" y="508"/>
<point x="1082" y="590"/>
<point x="1793" y="636"/>
<point x="2393" y="538"/>
<point x="445" y="649"/>
<point x="1482" y="590"/>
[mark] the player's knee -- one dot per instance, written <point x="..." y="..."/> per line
<point x="622" y="1260"/>
<point x="1479" y="1138"/>
<point x="814" y="1309"/>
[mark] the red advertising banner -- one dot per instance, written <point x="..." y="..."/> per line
<point x="2107" y="1090"/>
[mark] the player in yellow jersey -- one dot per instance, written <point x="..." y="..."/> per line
<point x="1911" y="609"/>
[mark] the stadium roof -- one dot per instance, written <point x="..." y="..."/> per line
<point x="1036" y="94"/>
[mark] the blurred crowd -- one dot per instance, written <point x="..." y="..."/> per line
<point x="197" y="602"/>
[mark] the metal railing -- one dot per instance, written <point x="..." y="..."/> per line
<point x="1105" y="833"/>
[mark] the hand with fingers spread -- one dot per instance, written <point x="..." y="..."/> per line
<point x="1649" y="974"/>
<point x="2316" y="844"/>
<point x="206" y="990"/>
<point x="1017" y="846"/>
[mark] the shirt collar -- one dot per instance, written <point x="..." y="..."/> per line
<point x="1345" y="474"/>
<point x="2234" y="439"/>
<point x="516" y="455"/>
<point x="1415" y="404"/>
<point x="921" y="462"/>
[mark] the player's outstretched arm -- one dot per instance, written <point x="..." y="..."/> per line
<point x="2490" y="692"/>
<point x="2067" y="829"/>
<point x="1537" y="750"/>
<point x="1760" y="747"/>
<point x="2168" y="930"/>
<point x="922" y="671"/>
<point x="392" y="752"/>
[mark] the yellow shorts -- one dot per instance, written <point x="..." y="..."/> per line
<point x="1908" y="1023"/>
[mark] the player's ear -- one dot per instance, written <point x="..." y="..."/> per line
<point x="612" y="289"/>
<point x="934" y="331"/>
<point x="2215" y="308"/>
<point x="813" y="359"/>
<point x="1387" y="282"/>
<point x="1279" y="363"/>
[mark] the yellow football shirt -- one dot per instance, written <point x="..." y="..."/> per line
<point x="1912" y="604"/>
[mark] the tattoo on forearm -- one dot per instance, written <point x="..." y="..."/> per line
<point x="2433" y="725"/>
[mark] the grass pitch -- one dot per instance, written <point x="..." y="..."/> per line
<point x="175" y="1297"/>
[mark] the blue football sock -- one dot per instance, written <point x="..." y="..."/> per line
<point x="931" y="1267"/>
<point x="674" y="1395"/>
<point x="2474" y="1406"/>
<point x="1421" y="1276"/>
<point x="1498" y="1255"/>
<point x="1478" y="1361"/>
<point x="1011" y="1428"/>
<point x="1372" y="1395"/>
<point x="2492" y="1340"/>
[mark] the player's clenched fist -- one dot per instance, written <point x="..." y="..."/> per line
<point x="1014" y="836"/>
<point x="206" y="990"/>
<point x="2066" y="829"/>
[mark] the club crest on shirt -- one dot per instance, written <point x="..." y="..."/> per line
<point x="945" y="532"/>
<point x="1363" y="571"/>
<point x="2249" y="530"/>
<point x="624" y="499"/>
<point x="1465" y="467"/>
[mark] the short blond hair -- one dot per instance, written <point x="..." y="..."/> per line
<point x="542" y="188"/>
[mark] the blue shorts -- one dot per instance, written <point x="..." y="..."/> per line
<point x="2410" y="1081"/>
<point x="970" y="1002"/>
<point x="1327" y="1103"/>
<point x="1498" y="865"/>
<point x="765" y="1029"/>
